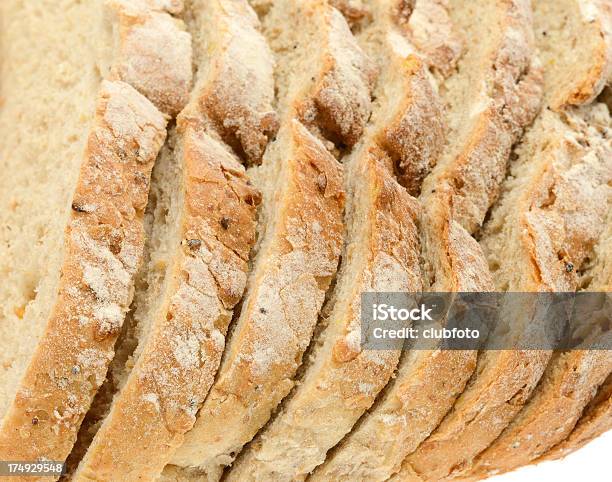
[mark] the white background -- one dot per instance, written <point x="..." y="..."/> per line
<point x="592" y="463"/>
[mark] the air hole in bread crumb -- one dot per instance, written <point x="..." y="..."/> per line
<point x="458" y="183"/>
<point x="225" y="222"/>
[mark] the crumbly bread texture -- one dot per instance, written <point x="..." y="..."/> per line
<point x="300" y="231"/>
<point x="446" y="245"/>
<point x="235" y="74"/>
<point x="571" y="378"/>
<point x="202" y="233"/>
<point x="539" y="231"/>
<point x="514" y="374"/>
<point x="340" y="381"/>
<point x="90" y="189"/>
<point x="293" y="268"/>
<point x="573" y="78"/>
<point x="595" y="420"/>
<point x="150" y="50"/>
<point x="353" y="10"/>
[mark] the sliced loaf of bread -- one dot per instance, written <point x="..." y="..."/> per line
<point x="572" y="377"/>
<point x="294" y="265"/>
<point x="455" y="198"/>
<point x="340" y="380"/>
<point x="323" y="83"/>
<point x="375" y="447"/>
<point x="531" y="257"/>
<point x="504" y="379"/>
<point x="202" y="232"/>
<point x="490" y="97"/>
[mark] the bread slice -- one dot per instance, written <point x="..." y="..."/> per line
<point x="149" y="49"/>
<point x="425" y="386"/>
<point x="568" y="384"/>
<point x="431" y="30"/>
<point x="73" y="332"/>
<point x="300" y="231"/>
<point x="340" y="381"/>
<point x="571" y="378"/>
<point x="595" y="420"/>
<point x="326" y="83"/>
<point x="201" y="238"/>
<point x="237" y="90"/>
<point x="185" y="313"/>
<point x="586" y="25"/>
<point x="414" y="128"/>
<point x="84" y="173"/>
<point x="494" y="95"/>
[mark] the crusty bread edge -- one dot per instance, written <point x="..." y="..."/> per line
<point x="70" y="361"/>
